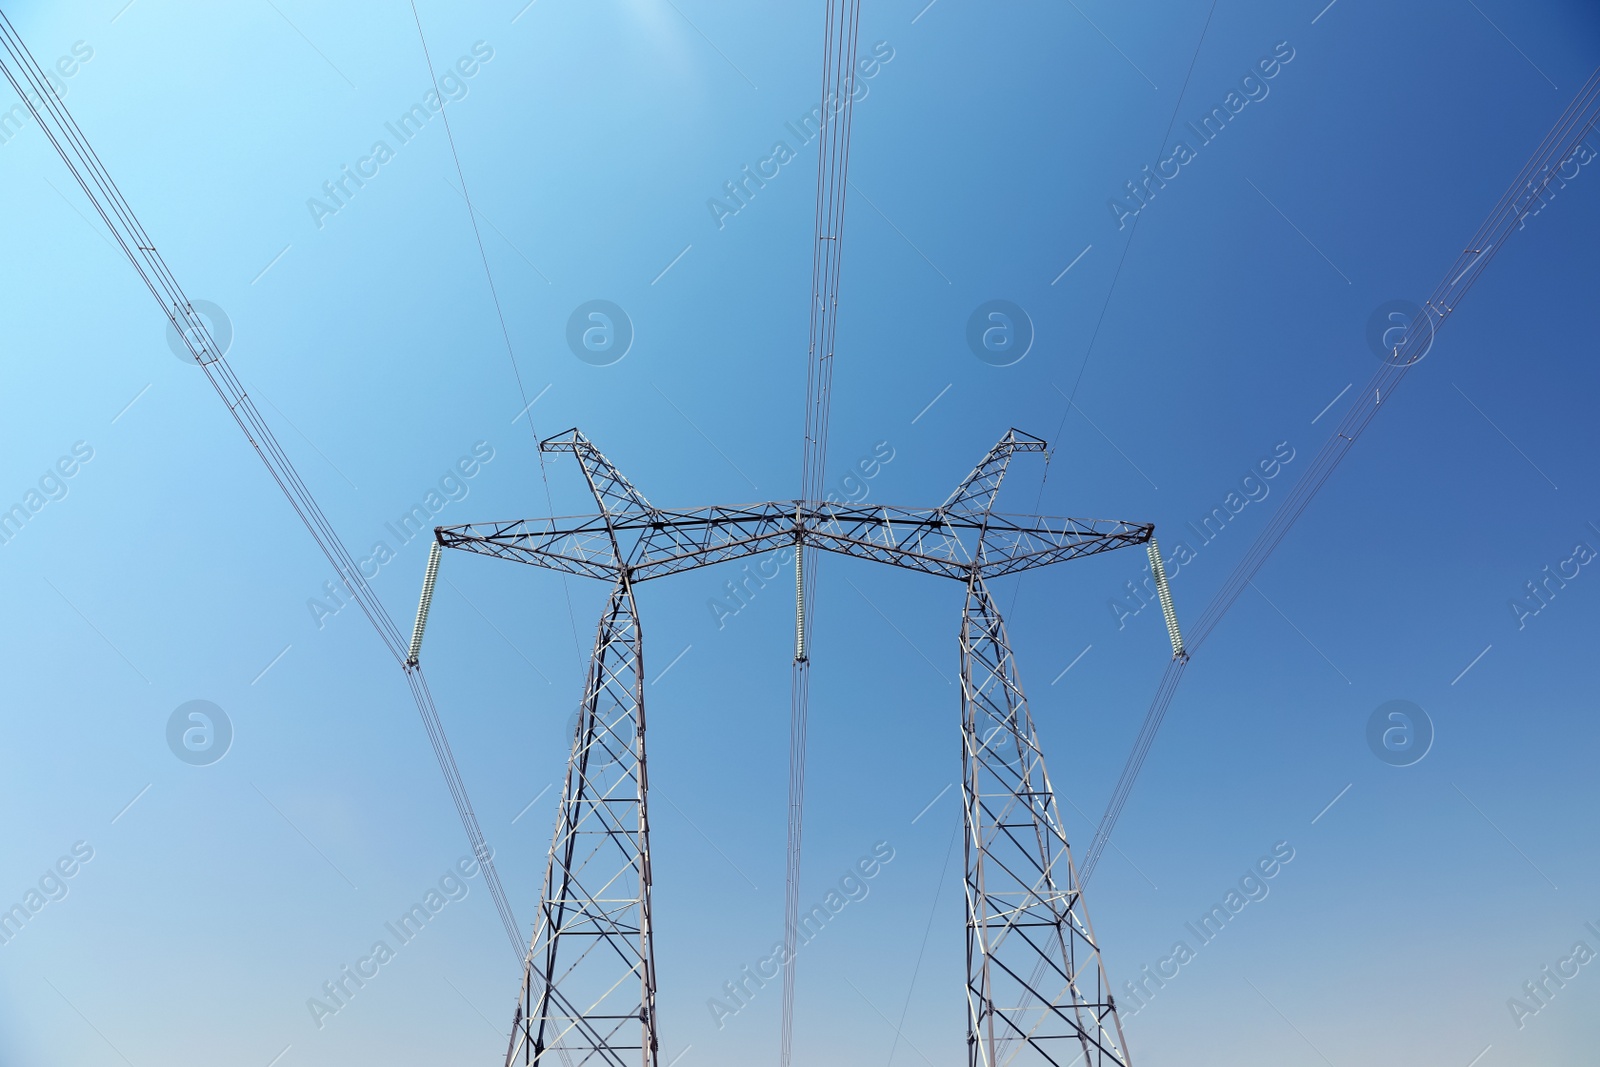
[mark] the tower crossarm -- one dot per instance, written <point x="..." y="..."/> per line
<point x="651" y="545"/>
<point x="930" y="540"/>
<point x="937" y="542"/>
<point x="580" y="546"/>
<point x="1014" y="543"/>
<point x="681" y="541"/>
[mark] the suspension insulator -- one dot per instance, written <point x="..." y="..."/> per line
<point x="1164" y="594"/>
<point x="799" y="603"/>
<point x="428" y="579"/>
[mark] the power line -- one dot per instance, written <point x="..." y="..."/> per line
<point x="91" y="175"/>
<point x="1558" y="144"/>
<point x="494" y="293"/>
<point x="841" y="26"/>
<point x="1115" y="278"/>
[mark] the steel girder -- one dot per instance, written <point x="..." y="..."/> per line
<point x="633" y="537"/>
<point x="930" y="540"/>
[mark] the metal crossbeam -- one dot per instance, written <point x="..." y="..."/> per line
<point x="1036" y="989"/>
<point x="930" y="540"/>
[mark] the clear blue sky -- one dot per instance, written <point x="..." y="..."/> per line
<point x="166" y="568"/>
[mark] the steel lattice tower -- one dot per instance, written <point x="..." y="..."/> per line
<point x="1037" y="992"/>
<point x="1035" y="981"/>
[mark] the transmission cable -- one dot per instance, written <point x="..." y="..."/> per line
<point x="494" y="293"/>
<point x="1132" y="233"/>
<point x="1535" y="177"/>
<point x="24" y="74"/>
<point x="840" y="30"/>
<point x="1115" y="277"/>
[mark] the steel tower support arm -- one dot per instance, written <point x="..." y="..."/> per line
<point x="625" y="508"/>
<point x="589" y="986"/>
<point x="1036" y="990"/>
<point x="1009" y="546"/>
<point x="935" y="543"/>
<point x="616" y="495"/>
<point x="668" y="542"/>
<point x="975" y="496"/>
<point x="665" y="543"/>
<point x="633" y="537"/>
<point x="580" y="546"/>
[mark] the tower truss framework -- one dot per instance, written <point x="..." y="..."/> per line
<point x="1037" y="991"/>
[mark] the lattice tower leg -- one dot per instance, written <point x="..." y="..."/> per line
<point x="589" y="985"/>
<point x="1036" y="990"/>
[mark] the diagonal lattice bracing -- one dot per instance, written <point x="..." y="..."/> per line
<point x="617" y="497"/>
<point x="1036" y="990"/>
<point x="921" y="539"/>
<point x="974" y="497"/>
<point x="633" y="536"/>
<point x="588" y="990"/>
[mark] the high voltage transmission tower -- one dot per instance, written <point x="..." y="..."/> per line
<point x="1036" y="990"/>
<point x="1035" y="983"/>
